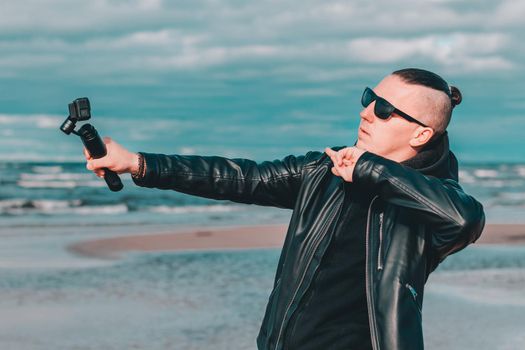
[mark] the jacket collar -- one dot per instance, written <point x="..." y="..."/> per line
<point x="435" y="159"/>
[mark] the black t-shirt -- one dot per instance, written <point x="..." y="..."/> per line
<point x="333" y="313"/>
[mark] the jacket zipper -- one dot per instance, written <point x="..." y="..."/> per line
<point x="371" y="315"/>
<point x="380" y="254"/>
<point x="303" y="276"/>
<point x="414" y="295"/>
<point x="412" y="290"/>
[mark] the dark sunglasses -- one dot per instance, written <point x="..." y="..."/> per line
<point x="384" y="109"/>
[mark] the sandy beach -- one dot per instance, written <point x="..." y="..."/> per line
<point x="239" y="237"/>
<point x="217" y="287"/>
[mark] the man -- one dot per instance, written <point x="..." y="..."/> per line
<point x="369" y="222"/>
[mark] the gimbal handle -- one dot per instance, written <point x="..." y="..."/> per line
<point x="97" y="149"/>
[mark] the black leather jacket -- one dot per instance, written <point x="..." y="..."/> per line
<point x="415" y="220"/>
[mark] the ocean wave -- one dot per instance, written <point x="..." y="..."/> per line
<point x="19" y="204"/>
<point x="53" y="169"/>
<point x="486" y="173"/>
<point x="12" y="203"/>
<point x="42" y="121"/>
<point x="57" y="207"/>
<point x="512" y="195"/>
<point x="101" y="209"/>
<point x="466" y="177"/>
<point x="501" y="183"/>
<point x="56" y="176"/>
<point x="77" y="206"/>
<point x="520" y="170"/>
<point x="60" y="184"/>
<point x="194" y="209"/>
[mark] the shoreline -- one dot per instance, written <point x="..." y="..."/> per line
<point x="238" y="237"/>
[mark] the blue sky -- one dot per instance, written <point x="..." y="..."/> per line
<point x="257" y="79"/>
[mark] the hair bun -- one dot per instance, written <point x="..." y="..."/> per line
<point x="455" y="96"/>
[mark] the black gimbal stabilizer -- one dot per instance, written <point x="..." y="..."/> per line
<point x="80" y="110"/>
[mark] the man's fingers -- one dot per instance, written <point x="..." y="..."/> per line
<point x="95" y="164"/>
<point x="99" y="172"/>
<point x="334" y="156"/>
<point x="348" y="153"/>
<point x="92" y="165"/>
<point x="339" y="158"/>
<point x="86" y="154"/>
<point x="329" y="151"/>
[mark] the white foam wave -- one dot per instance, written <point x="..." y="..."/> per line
<point x="56" y="176"/>
<point x="501" y="183"/>
<point x="486" y="173"/>
<point x="60" y="184"/>
<point x="513" y="195"/>
<point x="466" y="177"/>
<point x="54" y="207"/>
<point x="520" y="170"/>
<point x="42" y="121"/>
<point x="11" y="203"/>
<point x="50" y="205"/>
<point x="494" y="183"/>
<point x="194" y="209"/>
<point x="19" y="205"/>
<point x="55" y="169"/>
<point x="101" y="209"/>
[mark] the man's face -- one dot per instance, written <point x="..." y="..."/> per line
<point x="394" y="137"/>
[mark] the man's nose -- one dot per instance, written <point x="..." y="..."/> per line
<point x="367" y="113"/>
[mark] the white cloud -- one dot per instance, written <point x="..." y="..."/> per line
<point x="138" y="42"/>
<point x="509" y="13"/>
<point x="463" y="51"/>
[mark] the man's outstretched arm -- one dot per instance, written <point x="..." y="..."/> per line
<point x="269" y="183"/>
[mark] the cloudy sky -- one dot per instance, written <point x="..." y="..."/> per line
<point x="253" y="78"/>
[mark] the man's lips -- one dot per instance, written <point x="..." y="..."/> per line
<point x="363" y="131"/>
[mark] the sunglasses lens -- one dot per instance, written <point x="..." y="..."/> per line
<point x="383" y="109"/>
<point x="367" y="98"/>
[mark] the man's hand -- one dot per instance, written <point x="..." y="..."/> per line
<point x="118" y="159"/>
<point x="344" y="161"/>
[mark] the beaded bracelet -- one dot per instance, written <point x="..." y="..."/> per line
<point x="141" y="171"/>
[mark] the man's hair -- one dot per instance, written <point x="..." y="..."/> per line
<point x="431" y="80"/>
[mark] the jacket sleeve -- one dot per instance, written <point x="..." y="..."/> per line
<point x="456" y="218"/>
<point x="269" y="183"/>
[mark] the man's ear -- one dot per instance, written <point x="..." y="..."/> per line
<point x="421" y="136"/>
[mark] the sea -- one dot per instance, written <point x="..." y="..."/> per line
<point x="51" y="298"/>
<point x="51" y="194"/>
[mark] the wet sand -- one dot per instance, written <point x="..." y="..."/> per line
<point x="240" y="237"/>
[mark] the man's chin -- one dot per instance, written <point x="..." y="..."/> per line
<point x="361" y="145"/>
